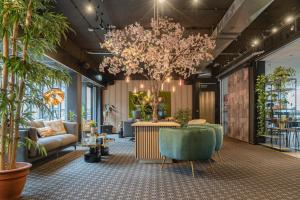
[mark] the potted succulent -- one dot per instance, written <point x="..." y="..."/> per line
<point x="28" y="29"/>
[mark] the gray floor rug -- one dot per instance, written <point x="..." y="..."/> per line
<point x="249" y="172"/>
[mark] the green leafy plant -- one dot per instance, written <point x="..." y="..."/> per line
<point x="261" y="103"/>
<point x="29" y="28"/>
<point x="93" y="124"/>
<point x="71" y="116"/>
<point x="183" y="116"/>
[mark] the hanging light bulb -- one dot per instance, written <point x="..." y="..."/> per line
<point x="173" y="89"/>
<point x="180" y="83"/>
<point x="127" y="79"/>
<point x="148" y="93"/>
<point x="162" y="86"/>
<point x="134" y="90"/>
<point x="168" y="79"/>
<point x="142" y="86"/>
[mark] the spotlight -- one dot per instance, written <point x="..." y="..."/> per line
<point x="289" y="19"/>
<point x="255" y="42"/>
<point x="89" y="8"/>
<point x="292" y="28"/>
<point x="195" y="2"/>
<point x="91" y="30"/>
<point x="274" y="30"/>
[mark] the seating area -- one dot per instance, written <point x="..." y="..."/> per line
<point x="149" y="99"/>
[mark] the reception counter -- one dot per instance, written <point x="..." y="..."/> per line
<point x="147" y="140"/>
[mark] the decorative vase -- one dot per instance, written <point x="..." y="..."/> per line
<point x="12" y="181"/>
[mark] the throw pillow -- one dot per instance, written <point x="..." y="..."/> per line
<point x="37" y="123"/>
<point x="45" y="132"/>
<point x="197" y="122"/>
<point x="57" y="126"/>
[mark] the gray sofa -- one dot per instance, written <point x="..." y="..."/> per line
<point x="53" y="144"/>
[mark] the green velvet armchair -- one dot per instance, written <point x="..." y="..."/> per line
<point x="218" y="132"/>
<point x="188" y="144"/>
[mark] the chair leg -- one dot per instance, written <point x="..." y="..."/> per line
<point x="211" y="166"/>
<point x="220" y="158"/>
<point x="163" y="162"/>
<point x="192" y="165"/>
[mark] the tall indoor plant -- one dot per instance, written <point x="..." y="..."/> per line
<point x="28" y="29"/>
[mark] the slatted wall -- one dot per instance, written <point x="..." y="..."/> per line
<point x="117" y="95"/>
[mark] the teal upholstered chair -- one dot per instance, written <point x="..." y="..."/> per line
<point x="218" y="132"/>
<point x="188" y="144"/>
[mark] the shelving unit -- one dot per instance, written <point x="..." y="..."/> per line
<point x="281" y="112"/>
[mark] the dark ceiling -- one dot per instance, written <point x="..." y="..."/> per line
<point x="203" y="18"/>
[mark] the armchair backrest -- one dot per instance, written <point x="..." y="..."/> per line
<point x="187" y="143"/>
<point x="218" y="131"/>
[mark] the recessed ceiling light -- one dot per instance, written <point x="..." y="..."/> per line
<point x="255" y="42"/>
<point x="195" y="2"/>
<point x="91" y="29"/>
<point x="289" y="19"/>
<point x="274" y="30"/>
<point x="89" y="8"/>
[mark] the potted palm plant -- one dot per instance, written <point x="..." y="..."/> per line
<point x="28" y="29"/>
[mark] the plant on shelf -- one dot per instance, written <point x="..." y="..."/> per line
<point x="71" y="116"/>
<point x="278" y="80"/>
<point x="183" y="116"/>
<point x="28" y="29"/>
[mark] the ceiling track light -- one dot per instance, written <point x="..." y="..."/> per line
<point x="289" y="19"/>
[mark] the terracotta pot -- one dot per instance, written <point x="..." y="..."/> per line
<point x="12" y="181"/>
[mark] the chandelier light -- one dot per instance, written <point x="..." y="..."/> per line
<point x="54" y="96"/>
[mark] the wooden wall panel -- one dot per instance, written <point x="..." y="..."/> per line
<point x="117" y="95"/>
<point x="238" y="105"/>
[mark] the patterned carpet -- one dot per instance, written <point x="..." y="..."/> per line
<point x="249" y="172"/>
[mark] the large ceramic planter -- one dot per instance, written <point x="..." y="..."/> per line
<point x="12" y="181"/>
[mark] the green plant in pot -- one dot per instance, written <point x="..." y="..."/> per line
<point x="28" y="29"/>
<point x="183" y="116"/>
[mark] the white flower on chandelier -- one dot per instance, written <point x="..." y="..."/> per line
<point x="157" y="52"/>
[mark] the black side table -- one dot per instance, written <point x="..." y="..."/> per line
<point x="94" y="153"/>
